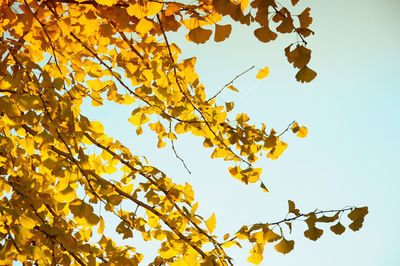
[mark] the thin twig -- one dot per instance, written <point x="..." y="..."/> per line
<point x="229" y="83"/>
<point x="286" y="129"/>
<point x="176" y="154"/>
<point x="298" y="33"/>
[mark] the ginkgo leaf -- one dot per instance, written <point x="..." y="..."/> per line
<point x="211" y="223"/>
<point x="152" y="8"/>
<point x="305" y="32"/>
<point x="222" y="32"/>
<point x="299" y="57"/>
<point x="66" y="195"/>
<point x="338" y="228"/>
<point x="277" y="151"/>
<point x="305" y="18"/>
<point x="229" y="106"/>
<point x="255" y="258"/>
<point x="264" y="34"/>
<point x="284" y="246"/>
<point x="294" y="2"/>
<point x="172" y="9"/>
<point x="313" y="233"/>
<point x="270" y="236"/>
<point x="357" y="216"/>
<point x="199" y="35"/>
<point x="27" y="222"/>
<point x="107" y="2"/>
<point x="263" y="73"/>
<point x="144" y="26"/>
<point x="286" y="25"/>
<point x="303" y="131"/>
<point x="292" y="208"/>
<point x="264" y="187"/>
<point x="244" y="4"/>
<point x="305" y="75"/>
<point x="100" y="230"/>
<point x="232" y="88"/>
<point x="80" y="76"/>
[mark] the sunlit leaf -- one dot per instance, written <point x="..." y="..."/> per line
<point x="263" y="73"/>
<point x="211" y="223"/>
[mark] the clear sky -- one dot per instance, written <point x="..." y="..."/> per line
<point x="350" y="157"/>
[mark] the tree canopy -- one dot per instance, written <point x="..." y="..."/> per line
<point x="57" y="53"/>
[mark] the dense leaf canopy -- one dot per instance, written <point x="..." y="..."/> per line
<point x="57" y="53"/>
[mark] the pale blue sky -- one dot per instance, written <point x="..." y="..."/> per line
<point x="351" y="156"/>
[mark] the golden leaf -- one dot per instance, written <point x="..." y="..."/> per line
<point x="263" y="73"/>
<point x="100" y="230"/>
<point x="302" y="132"/>
<point x="27" y="222"/>
<point x="211" y="223"/>
<point x="144" y="26"/>
<point x="284" y="246"/>
<point x="107" y="2"/>
<point x="255" y="258"/>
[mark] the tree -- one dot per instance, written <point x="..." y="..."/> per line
<point x="55" y="54"/>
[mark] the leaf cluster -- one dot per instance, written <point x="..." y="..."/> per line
<point x="57" y="54"/>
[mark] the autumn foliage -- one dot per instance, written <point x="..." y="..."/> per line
<point x="57" y="53"/>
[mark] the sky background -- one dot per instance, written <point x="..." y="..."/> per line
<point x="350" y="157"/>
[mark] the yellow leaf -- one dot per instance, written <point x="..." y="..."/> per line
<point x="211" y="223"/>
<point x="244" y="4"/>
<point x="302" y="132"/>
<point x="277" y="150"/>
<point x="144" y="26"/>
<point x="232" y="88"/>
<point x="66" y="195"/>
<point x="100" y="230"/>
<point x="263" y="73"/>
<point x="255" y="258"/>
<point x="97" y="126"/>
<point x="27" y="222"/>
<point x="284" y="246"/>
<point x="107" y="2"/>
<point x="80" y="76"/>
<point x="138" y="119"/>
<point x="153" y="8"/>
